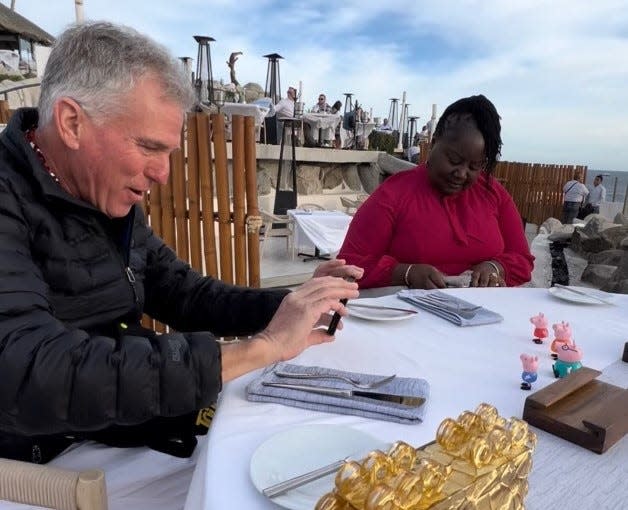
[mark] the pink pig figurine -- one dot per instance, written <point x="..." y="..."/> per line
<point x="540" y="328"/>
<point x="530" y="366"/>
<point x="562" y="335"/>
<point x="569" y="359"/>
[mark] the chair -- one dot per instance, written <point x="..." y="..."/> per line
<point x="275" y="225"/>
<point x="351" y="206"/>
<point x="49" y="487"/>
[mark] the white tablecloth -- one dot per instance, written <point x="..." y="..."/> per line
<point x="327" y="122"/>
<point x="465" y="366"/>
<point x="325" y="230"/>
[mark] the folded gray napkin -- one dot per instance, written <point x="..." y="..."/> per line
<point x="359" y="406"/>
<point x="449" y="305"/>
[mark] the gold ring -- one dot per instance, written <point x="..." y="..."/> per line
<point x="494" y="275"/>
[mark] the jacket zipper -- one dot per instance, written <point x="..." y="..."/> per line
<point x="126" y="247"/>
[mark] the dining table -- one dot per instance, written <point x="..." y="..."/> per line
<point x="322" y="126"/>
<point x="322" y="232"/>
<point x="464" y="367"/>
<point x="258" y="112"/>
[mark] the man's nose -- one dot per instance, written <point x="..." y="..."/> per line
<point x="159" y="169"/>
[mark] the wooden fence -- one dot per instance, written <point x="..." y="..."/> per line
<point x="536" y="188"/>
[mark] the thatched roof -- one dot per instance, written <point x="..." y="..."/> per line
<point x="12" y="22"/>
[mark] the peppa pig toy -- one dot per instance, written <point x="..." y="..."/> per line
<point x="569" y="359"/>
<point x="562" y="335"/>
<point x="540" y="328"/>
<point x="530" y="366"/>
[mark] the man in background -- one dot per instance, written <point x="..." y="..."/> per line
<point x="597" y="194"/>
<point x="285" y="107"/>
<point x="574" y="195"/>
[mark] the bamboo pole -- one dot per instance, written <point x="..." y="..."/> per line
<point x="253" y="220"/>
<point x="239" y="233"/>
<point x="167" y="210"/>
<point x="222" y="195"/>
<point x="193" y="195"/>
<point x="206" y="175"/>
<point x="180" y="202"/>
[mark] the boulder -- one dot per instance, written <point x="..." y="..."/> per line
<point x="391" y="165"/>
<point x="561" y="232"/>
<point x="596" y="224"/>
<point x="552" y="224"/>
<point x="264" y="182"/>
<point x="615" y="235"/>
<point x="309" y="180"/>
<point x="351" y="177"/>
<point x="620" y="219"/>
<point x="371" y="177"/>
<point x="607" y="257"/>
<point x="598" y="274"/>
<point x="331" y="177"/>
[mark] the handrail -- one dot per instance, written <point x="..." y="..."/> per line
<point x="18" y="87"/>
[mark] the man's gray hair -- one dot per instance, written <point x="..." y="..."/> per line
<point x="96" y="63"/>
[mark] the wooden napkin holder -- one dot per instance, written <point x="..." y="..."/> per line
<point x="581" y="409"/>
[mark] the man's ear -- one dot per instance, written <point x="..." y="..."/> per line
<point x="69" y="119"/>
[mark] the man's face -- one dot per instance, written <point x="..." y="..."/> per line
<point x="122" y="156"/>
<point x="597" y="181"/>
<point x="322" y="99"/>
<point x="292" y="93"/>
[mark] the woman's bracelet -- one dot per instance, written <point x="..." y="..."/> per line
<point x="406" y="274"/>
<point x="495" y="267"/>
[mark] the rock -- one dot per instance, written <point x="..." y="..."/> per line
<point x="371" y="177"/>
<point x="606" y="257"/>
<point x="596" y="224"/>
<point x="598" y="274"/>
<point x="624" y="244"/>
<point x="309" y="179"/>
<point x="351" y="177"/>
<point x="620" y="219"/>
<point x="264" y="182"/>
<point x="391" y="165"/>
<point x="552" y="224"/>
<point x="619" y="287"/>
<point x="563" y="234"/>
<point x="615" y="235"/>
<point x="595" y="244"/>
<point x="332" y="177"/>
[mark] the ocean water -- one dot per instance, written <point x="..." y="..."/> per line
<point x="614" y="182"/>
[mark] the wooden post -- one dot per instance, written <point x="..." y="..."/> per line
<point x="239" y="235"/>
<point x="180" y="201"/>
<point x="193" y="196"/>
<point x="205" y="170"/>
<point x="222" y="195"/>
<point x="253" y="216"/>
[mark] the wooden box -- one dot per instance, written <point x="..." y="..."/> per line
<point x="581" y="409"/>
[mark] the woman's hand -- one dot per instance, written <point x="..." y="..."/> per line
<point x="423" y="276"/>
<point x="485" y="275"/>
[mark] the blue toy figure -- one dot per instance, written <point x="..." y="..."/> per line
<point x="569" y="358"/>
<point x="530" y="366"/>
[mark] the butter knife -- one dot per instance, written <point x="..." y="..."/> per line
<point x="582" y="293"/>
<point x="406" y="400"/>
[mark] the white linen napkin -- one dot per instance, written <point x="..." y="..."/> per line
<point x="482" y="315"/>
<point x="360" y="406"/>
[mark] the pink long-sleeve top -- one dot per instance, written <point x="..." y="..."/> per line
<point x="406" y="220"/>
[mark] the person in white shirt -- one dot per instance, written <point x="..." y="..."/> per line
<point x="574" y="195"/>
<point x="285" y="107"/>
<point x="321" y="106"/>
<point x="385" y="126"/>
<point x="597" y="194"/>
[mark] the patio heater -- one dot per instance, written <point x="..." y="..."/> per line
<point x="204" y="79"/>
<point x="348" y="102"/>
<point x="393" y="113"/>
<point x="273" y="81"/>
<point x="405" y="127"/>
<point x="412" y="123"/>
<point x="186" y="63"/>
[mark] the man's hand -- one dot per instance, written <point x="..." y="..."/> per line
<point x="297" y="324"/>
<point x="338" y="267"/>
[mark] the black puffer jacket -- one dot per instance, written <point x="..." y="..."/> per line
<point x="65" y="364"/>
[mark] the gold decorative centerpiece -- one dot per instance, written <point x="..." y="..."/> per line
<point x="478" y="461"/>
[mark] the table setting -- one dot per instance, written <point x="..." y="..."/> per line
<point x="453" y="366"/>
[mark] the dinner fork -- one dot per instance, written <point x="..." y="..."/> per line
<point x="355" y="382"/>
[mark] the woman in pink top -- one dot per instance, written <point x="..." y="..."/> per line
<point x="446" y="216"/>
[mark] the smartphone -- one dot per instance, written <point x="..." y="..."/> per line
<point x="331" y="330"/>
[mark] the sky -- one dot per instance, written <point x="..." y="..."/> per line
<point x="556" y="70"/>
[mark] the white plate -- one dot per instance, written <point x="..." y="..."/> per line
<point x="372" y="314"/>
<point x="567" y="295"/>
<point x="302" y="449"/>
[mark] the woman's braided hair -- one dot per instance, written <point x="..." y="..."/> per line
<point x="483" y="113"/>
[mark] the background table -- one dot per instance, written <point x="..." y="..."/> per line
<point x="247" y="110"/>
<point x="465" y="366"/>
<point x="323" y="125"/>
<point x="323" y="231"/>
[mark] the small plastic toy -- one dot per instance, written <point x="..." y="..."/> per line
<point x="569" y="358"/>
<point x="530" y="366"/>
<point x="540" y="328"/>
<point x="562" y="335"/>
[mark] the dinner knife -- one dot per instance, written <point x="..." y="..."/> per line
<point x="406" y="400"/>
<point x="582" y="293"/>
